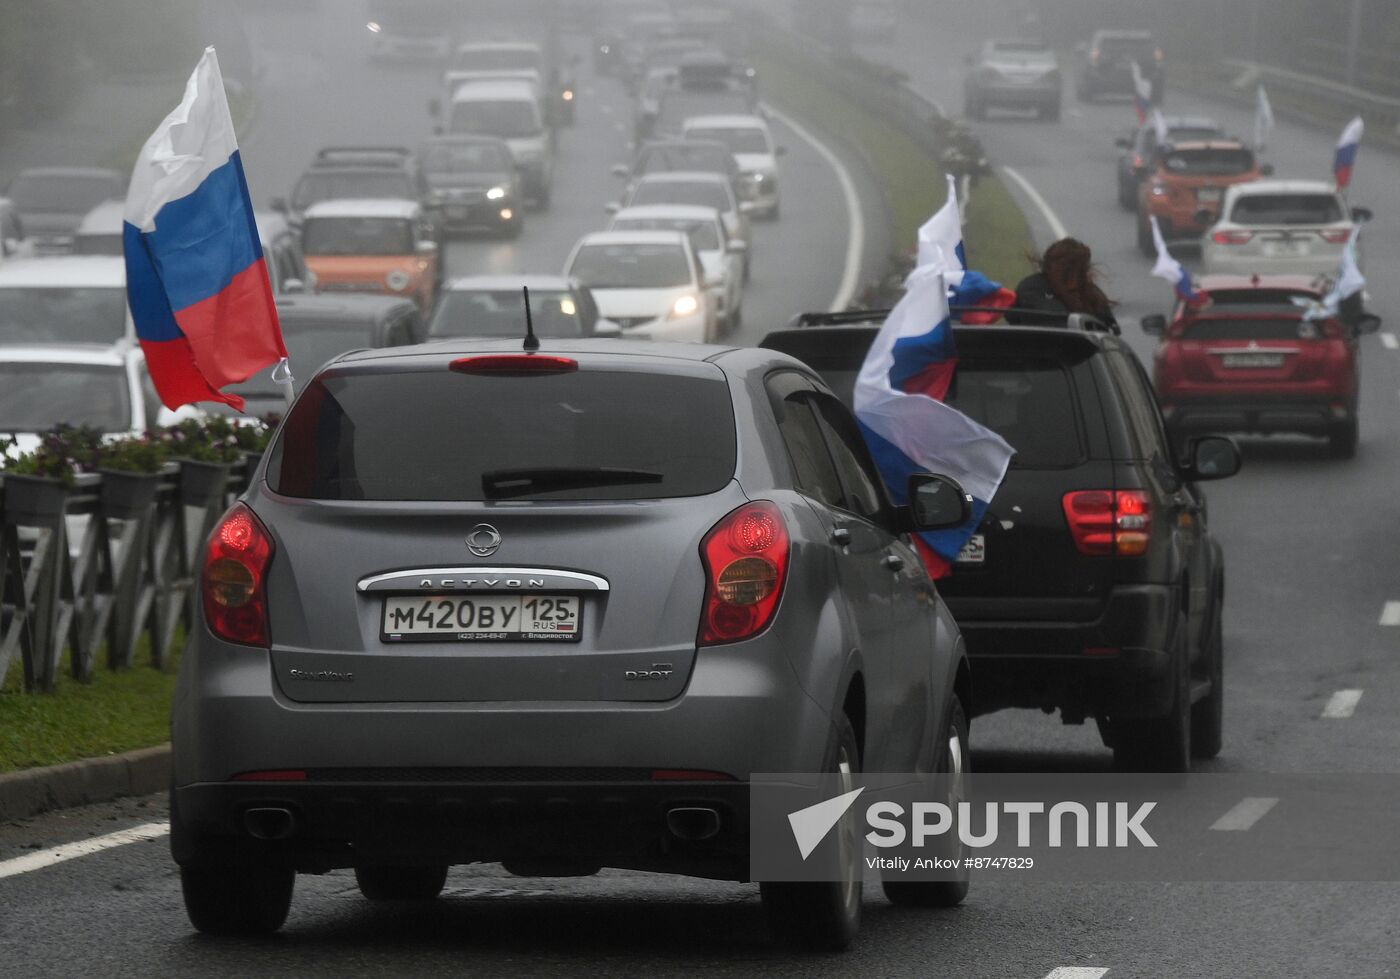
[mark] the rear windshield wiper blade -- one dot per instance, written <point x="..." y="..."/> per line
<point x="503" y="484"/>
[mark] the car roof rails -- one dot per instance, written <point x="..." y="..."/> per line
<point x="1080" y="322"/>
<point x="362" y="152"/>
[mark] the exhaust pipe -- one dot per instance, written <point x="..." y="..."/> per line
<point x="269" y="824"/>
<point x="693" y="823"/>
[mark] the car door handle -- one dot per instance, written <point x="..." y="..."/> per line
<point x="893" y="562"/>
<point x="841" y="536"/>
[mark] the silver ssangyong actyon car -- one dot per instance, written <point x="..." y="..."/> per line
<point x="553" y="610"/>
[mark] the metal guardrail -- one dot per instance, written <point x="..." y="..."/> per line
<point x="1381" y="112"/>
<point x="129" y="573"/>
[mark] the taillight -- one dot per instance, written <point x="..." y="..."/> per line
<point x="514" y="365"/>
<point x="1335" y="236"/>
<point x="234" y="579"/>
<point x="1232" y="237"/>
<point x="1105" y="522"/>
<point x="746" y="561"/>
<point x="1094" y="56"/>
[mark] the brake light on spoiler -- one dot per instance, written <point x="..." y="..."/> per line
<point x="514" y="365"/>
<point x="1109" y="522"/>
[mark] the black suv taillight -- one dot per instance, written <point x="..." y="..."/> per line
<point x="1106" y="522"/>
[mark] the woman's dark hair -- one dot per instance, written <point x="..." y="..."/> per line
<point x="1068" y="267"/>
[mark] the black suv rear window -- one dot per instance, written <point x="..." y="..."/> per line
<point x="444" y="436"/>
<point x="1028" y="401"/>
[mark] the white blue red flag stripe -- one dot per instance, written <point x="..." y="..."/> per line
<point x="898" y="403"/>
<point x="1173" y="271"/>
<point x="1347" y="146"/>
<point x="1142" y="95"/>
<point x="197" y="283"/>
<point x="1263" y="120"/>
<point x="941" y="238"/>
<point x="1349" y="282"/>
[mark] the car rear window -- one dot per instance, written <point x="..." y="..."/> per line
<point x="1208" y="163"/>
<point x="443" y="436"/>
<point x="1286" y="209"/>
<point x="1140" y="48"/>
<point x="1248" y="328"/>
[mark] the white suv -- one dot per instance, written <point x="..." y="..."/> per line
<point x="751" y="142"/>
<point x="1280" y="227"/>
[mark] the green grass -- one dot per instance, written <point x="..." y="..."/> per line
<point x="998" y="239"/>
<point x="116" y="712"/>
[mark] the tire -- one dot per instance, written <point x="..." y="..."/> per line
<point x="1127" y="195"/>
<point x="825" y="916"/>
<point x="1342" y="441"/>
<point x="401" y="883"/>
<point x="249" y="897"/>
<point x="954" y="762"/>
<point x="1160" y="744"/>
<point x="1208" y="715"/>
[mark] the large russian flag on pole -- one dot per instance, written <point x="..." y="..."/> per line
<point x="196" y="281"/>
<point x="1142" y="95"/>
<point x="1347" y="145"/>
<point x="899" y="405"/>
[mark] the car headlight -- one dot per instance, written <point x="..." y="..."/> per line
<point x="1159" y="190"/>
<point x="398" y="280"/>
<point x="568" y="95"/>
<point x="567" y="307"/>
<point x="374" y="27"/>
<point x="495" y="193"/>
<point x="684" y="306"/>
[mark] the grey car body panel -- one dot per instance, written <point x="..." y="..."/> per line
<point x="764" y="704"/>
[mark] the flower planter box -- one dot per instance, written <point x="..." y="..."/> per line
<point x="201" y="483"/>
<point x="127" y="495"/>
<point x="35" y="501"/>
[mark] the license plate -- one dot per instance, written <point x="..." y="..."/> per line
<point x="1254" y="360"/>
<point x="1208" y="195"/>
<point x="974" y="551"/>
<point x="1278" y="249"/>
<point x="482" y="618"/>
<point x="458" y="210"/>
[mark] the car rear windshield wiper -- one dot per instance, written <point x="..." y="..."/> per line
<point x="502" y="484"/>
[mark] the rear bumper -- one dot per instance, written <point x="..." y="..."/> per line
<point x="1117" y="664"/>
<point x="341" y="822"/>
<point x="1307" y="416"/>
<point x="1017" y="94"/>
<point x="464" y="216"/>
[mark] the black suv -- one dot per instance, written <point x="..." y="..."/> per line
<point x="1092" y="585"/>
<point x="359" y="171"/>
<point x="1106" y="65"/>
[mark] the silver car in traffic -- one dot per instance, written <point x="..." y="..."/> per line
<point x="554" y="610"/>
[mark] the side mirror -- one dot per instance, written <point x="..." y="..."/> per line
<point x="619" y="170"/>
<point x="1213" y="457"/>
<point x="279" y="204"/>
<point x="1154" y="325"/>
<point x="937" y="502"/>
<point x="607" y="329"/>
<point x="427" y="248"/>
<point x="1266" y="169"/>
<point x="435" y="108"/>
<point x="612" y="207"/>
<point x="1362" y="214"/>
<point x="293" y="286"/>
<point x="1367" y="323"/>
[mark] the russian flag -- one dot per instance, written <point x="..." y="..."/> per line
<point x="1347" y="145"/>
<point x="197" y="283"/>
<point x="1173" y="271"/>
<point x="941" y="238"/>
<point x="899" y="405"/>
<point x="1142" y="95"/>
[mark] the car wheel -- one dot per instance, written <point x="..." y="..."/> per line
<point x="246" y="897"/>
<point x="1127" y="195"/>
<point x="955" y="762"/>
<point x="824" y="916"/>
<point x="1160" y="744"/>
<point x="401" y="883"/>
<point x="1208" y="715"/>
<point x="1144" y="237"/>
<point x="1342" y="441"/>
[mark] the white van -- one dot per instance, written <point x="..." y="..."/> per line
<point x="513" y="111"/>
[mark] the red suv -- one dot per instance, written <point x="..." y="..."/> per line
<point x="1247" y="360"/>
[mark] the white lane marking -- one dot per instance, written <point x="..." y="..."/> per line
<point x="1389" y="341"/>
<point x="82" y="848"/>
<point x="1390" y="615"/>
<point x="1243" y="816"/>
<point x="1342" y="704"/>
<point x="855" y="244"/>
<point x="1057" y="227"/>
<point x="1076" y="972"/>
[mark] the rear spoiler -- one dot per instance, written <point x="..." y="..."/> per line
<point x="1082" y="322"/>
<point x="329" y="151"/>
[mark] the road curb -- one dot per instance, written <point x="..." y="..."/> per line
<point x="35" y="790"/>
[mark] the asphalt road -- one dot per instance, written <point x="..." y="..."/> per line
<point x="1311" y="565"/>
